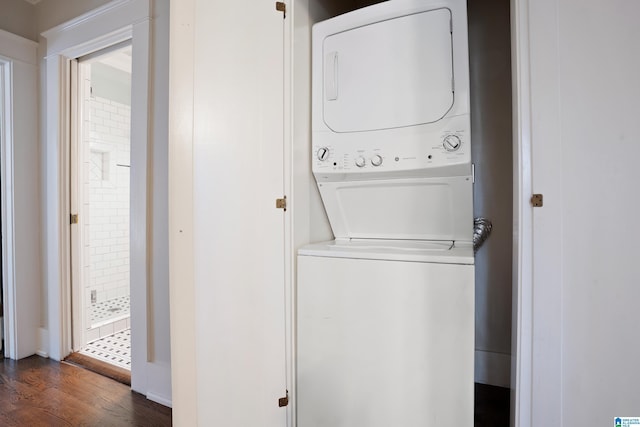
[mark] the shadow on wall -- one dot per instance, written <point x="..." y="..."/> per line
<point x="492" y="148"/>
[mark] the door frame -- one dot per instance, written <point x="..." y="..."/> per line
<point x="523" y="321"/>
<point x="118" y="21"/>
<point x="9" y="332"/>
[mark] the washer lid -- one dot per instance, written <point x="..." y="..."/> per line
<point x="389" y="74"/>
<point x="443" y="252"/>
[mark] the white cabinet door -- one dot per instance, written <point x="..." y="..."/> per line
<point x="583" y="296"/>
<point x="238" y="173"/>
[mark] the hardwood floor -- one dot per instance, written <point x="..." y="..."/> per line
<point x="98" y="366"/>
<point x="491" y="406"/>
<point x="41" y="392"/>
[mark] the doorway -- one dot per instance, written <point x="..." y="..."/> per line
<point x="100" y="205"/>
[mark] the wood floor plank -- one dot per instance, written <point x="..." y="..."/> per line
<point x="100" y="367"/>
<point x="41" y="392"/>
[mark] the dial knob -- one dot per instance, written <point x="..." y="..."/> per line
<point x="360" y="162"/>
<point x="323" y="153"/>
<point x="376" y="160"/>
<point x="451" y="143"/>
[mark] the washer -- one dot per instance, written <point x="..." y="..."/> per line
<point x="385" y="334"/>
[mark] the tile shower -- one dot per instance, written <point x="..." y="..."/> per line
<point x="106" y="185"/>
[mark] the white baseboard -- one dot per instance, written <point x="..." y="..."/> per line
<point x="493" y="368"/>
<point x="159" y="399"/>
<point x="158" y="384"/>
<point x="43" y="343"/>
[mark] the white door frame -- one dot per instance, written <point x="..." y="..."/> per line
<point x="10" y="332"/>
<point x="20" y="222"/>
<point x="113" y="23"/>
<point x="523" y="311"/>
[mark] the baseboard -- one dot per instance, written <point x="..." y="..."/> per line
<point x="43" y="343"/>
<point x="493" y="368"/>
<point x="159" y="383"/>
<point x="159" y="399"/>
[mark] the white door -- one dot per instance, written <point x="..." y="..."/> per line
<point x="238" y="307"/>
<point x="21" y="236"/>
<point x="584" y="157"/>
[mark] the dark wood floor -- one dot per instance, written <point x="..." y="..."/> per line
<point x="98" y="366"/>
<point x="491" y="406"/>
<point x="41" y="392"/>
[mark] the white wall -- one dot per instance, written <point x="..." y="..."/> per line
<point x="159" y="325"/>
<point x="310" y="220"/>
<point x="18" y="17"/>
<point x="21" y="228"/>
<point x="50" y="13"/>
<point x="585" y="150"/>
<point x="106" y="174"/>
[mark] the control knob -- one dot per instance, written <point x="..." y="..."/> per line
<point x="323" y="153"/>
<point x="376" y="160"/>
<point x="451" y="143"/>
<point x="360" y="162"/>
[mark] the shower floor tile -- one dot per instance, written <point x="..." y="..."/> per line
<point x="110" y="309"/>
<point x="114" y="349"/>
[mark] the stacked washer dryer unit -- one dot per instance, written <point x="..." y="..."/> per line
<point x="385" y="320"/>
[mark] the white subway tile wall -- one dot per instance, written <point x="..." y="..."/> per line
<point x="106" y="203"/>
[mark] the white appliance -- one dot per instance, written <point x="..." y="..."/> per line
<point x="385" y="312"/>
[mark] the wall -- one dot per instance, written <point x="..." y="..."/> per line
<point x="490" y="82"/>
<point x="50" y="13"/>
<point x="158" y="292"/>
<point x="109" y="82"/>
<point x="309" y="219"/>
<point x="20" y="227"/>
<point x="18" y="17"/>
<point x="585" y="151"/>
<point x="107" y="172"/>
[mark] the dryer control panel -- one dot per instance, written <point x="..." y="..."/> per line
<point x="436" y="152"/>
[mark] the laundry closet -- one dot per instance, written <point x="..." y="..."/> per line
<point x="490" y="110"/>
<point x="244" y="200"/>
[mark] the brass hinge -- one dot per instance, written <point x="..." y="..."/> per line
<point x="281" y="203"/>
<point x="74" y="219"/>
<point x="536" y="200"/>
<point x="282" y="7"/>
<point x="284" y="401"/>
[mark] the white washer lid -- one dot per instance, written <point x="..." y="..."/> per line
<point x="435" y="251"/>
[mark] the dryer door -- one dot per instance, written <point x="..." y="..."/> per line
<point x="389" y="74"/>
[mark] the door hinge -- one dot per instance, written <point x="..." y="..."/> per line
<point x="282" y="7"/>
<point x="74" y="219"/>
<point x="284" y="401"/>
<point x="536" y="200"/>
<point x="281" y="203"/>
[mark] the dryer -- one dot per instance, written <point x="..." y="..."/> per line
<point x="385" y="312"/>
